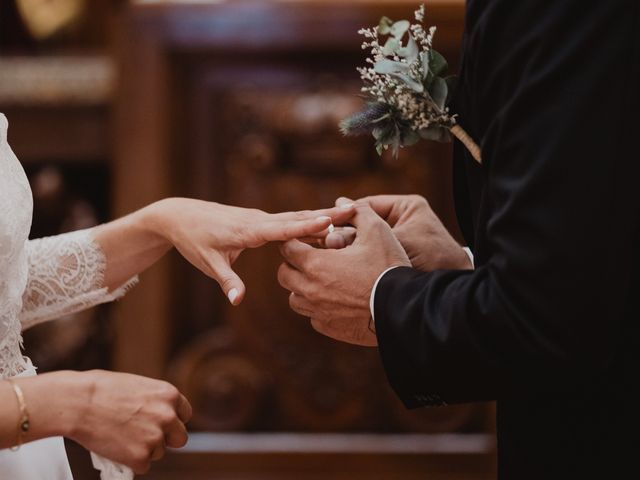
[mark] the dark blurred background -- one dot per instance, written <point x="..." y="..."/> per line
<point x="114" y="104"/>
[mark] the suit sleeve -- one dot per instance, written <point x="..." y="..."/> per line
<point x="555" y="84"/>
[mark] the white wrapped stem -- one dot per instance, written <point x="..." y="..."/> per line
<point x="111" y="470"/>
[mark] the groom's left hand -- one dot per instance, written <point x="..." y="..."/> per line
<point x="333" y="287"/>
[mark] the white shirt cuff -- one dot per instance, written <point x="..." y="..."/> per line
<point x="469" y="253"/>
<point x="467" y="250"/>
<point x="373" y="292"/>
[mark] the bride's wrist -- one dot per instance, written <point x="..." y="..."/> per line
<point x="81" y="387"/>
<point x="57" y="403"/>
<point x="157" y="221"/>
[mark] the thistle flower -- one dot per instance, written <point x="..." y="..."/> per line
<point x="407" y="88"/>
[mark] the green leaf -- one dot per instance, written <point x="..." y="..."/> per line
<point x="391" y="47"/>
<point x="439" y="92"/>
<point x="411" y="51"/>
<point x="381" y="148"/>
<point x="384" y="28"/>
<point x="426" y="70"/>
<point x="414" y="85"/>
<point x="436" y="133"/>
<point x="399" y="28"/>
<point x="437" y="63"/>
<point x="384" y="134"/>
<point x="389" y="67"/>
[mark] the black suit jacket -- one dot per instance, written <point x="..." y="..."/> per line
<point x="548" y="324"/>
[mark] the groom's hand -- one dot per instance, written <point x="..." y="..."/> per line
<point x="423" y="236"/>
<point x="333" y="287"/>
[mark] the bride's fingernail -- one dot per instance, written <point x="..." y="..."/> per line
<point x="323" y="219"/>
<point x="233" y="294"/>
<point x="347" y="206"/>
<point x="331" y="228"/>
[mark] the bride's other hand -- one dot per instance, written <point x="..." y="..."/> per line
<point x="126" y="418"/>
<point x="212" y="236"/>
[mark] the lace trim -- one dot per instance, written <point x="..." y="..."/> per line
<point x="66" y="275"/>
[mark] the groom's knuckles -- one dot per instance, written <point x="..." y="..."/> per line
<point x="365" y="216"/>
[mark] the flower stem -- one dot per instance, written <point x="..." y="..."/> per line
<point x="468" y="142"/>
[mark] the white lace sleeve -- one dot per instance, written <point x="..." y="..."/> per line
<point x="66" y="275"/>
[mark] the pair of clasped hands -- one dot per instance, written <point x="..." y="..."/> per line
<point x="332" y="259"/>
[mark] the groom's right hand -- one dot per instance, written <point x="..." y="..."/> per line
<point x="426" y="240"/>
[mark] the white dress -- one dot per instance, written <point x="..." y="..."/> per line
<point x="39" y="280"/>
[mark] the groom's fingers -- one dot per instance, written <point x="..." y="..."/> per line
<point x="366" y="221"/>
<point x="296" y="253"/>
<point x="340" y="238"/>
<point x="382" y="204"/>
<point x="291" y="279"/>
<point x="231" y="284"/>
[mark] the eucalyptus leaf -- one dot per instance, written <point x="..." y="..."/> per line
<point x="414" y="85"/>
<point x="439" y="92"/>
<point x="378" y="132"/>
<point x="389" y="67"/>
<point x="437" y="63"/>
<point x="385" y="134"/>
<point x="436" y="133"/>
<point x="399" y="28"/>
<point x="426" y="71"/>
<point x="392" y="47"/>
<point x="411" y="51"/>
<point x="384" y="28"/>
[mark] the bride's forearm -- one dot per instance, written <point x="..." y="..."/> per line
<point x="132" y="244"/>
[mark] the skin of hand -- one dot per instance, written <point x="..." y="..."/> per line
<point x="209" y="235"/>
<point x="333" y="287"/>
<point x="427" y="242"/>
<point x="125" y="418"/>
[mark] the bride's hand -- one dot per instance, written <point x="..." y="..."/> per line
<point x="126" y="418"/>
<point x="212" y="236"/>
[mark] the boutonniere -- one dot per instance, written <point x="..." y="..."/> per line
<point x="407" y="87"/>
